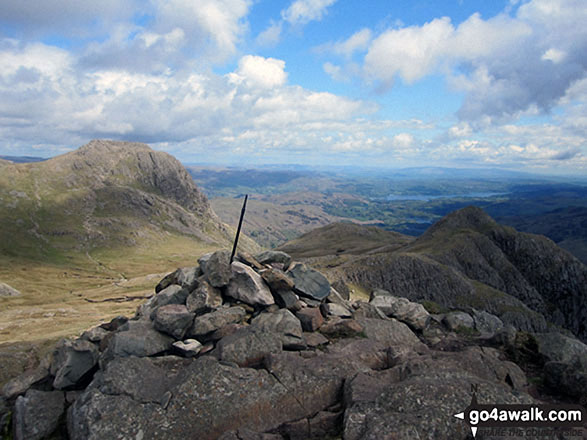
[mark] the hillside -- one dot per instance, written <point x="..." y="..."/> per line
<point x="468" y="260"/>
<point x="91" y="225"/>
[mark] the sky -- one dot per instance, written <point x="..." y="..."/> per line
<point x="387" y="83"/>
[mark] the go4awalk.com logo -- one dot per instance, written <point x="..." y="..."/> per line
<point x="516" y="420"/>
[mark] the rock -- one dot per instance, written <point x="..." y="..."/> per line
<point x="342" y="289"/>
<point x="309" y="282"/>
<point x="325" y="424"/>
<point x="186" y="277"/>
<point x="4" y="415"/>
<point x="286" y="299"/>
<point x="337" y="298"/>
<point x="249" y="260"/>
<point x="308" y="302"/>
<point x="310" y="318"/>
<point x="20" y="384"/>
<point x="314" y="340"/>
<point x="341" y="328"/>
<point x="137" y="338"/>
<point x="204" y="298"/>
<point x="174" y="294"/>
<point x="486" y="322"/>
<point x="247" y="434"/>
<point x="560" y="348"/>
<point x="457" y="320"/>
<point x="228" y="329"/>
<point x="173" y="319"/>
<point x="366" y="310"/>
<point x="333" y="309"/>
<point x="37" y="414"/>
<point x="188" y="348"/>
<point x="247" y="347"/>
<point x="390" y="332"/>
<point x="6" y="290"/>
<point x="217" y="269"/>
<point x="412" y="313"/>
<point x="213" y="321"/>
<point x="274" y="257"/>
<point x="114" y="324"/>
<point x="95" y="334"/>
<point x="506" y="337"/>
<point x="277" y="280"/>
<point x="72" y="362"/>
<point x="248" y="286"/>
<point x="283" y="323"/>
<point x="203" y="261"/>
<point x="565" y="378"/>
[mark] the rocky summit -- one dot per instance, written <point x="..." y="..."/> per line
<point x="265" y="348"/>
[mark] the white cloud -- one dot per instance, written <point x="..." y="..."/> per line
<point x="270" y="36"/>
<point x="304" y="11"/>
<point x="358" y="41"/>
<point x="257" y="71"/>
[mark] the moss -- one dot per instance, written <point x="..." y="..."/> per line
<point x="466" y="332"/>
<point x="433" y="307"/>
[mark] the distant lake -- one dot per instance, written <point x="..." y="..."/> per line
<point x="429" y="197"/>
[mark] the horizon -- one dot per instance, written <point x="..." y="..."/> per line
<point x="461" y="84"/>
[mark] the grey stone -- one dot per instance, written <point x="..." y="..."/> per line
<point x="390" y="332"/>
<point x="277" y="280"/>
<point x="247" y="434"/>
<point x="412" y="313"/>
<point x="228" y="329"/>
<point x="560" y="348"/>
<point x="20" y="384"/>
<point x="288" y="300"/>
<point x="565" y="378"/>
<point x="188" y="348"/>
<point x="6" y="290"/>
<point x="310" y="318"/>
<point x="204" y="298"/>
<point x="486" y="322"/>
<point x="186" y="277"/>
<point x="314" y="339"/>
<point x="333" y="309"/>
<point x="213" y="321"/>
<point x="309" y="282"/>
<point x="249" y="260"/>
<point x="366" y="310"/>
<point x="341" y="328"/>
<point x="247" y="286"/>
<point x="217" y="269"/>
<point x="114" y="324"/>
<point x="203" y="261"/>
<point x="174" y="294"/>
<point x="95" y="334"/>
<point x="4" y="415"/>
<point x="247" y="347"/>
<point x="456" y="320"/>
<point x="283" y="323"/>
<point x="173" y="319"/>
<point x="342" y="289"/>
<point x="271" y="257"/>
<point x="37" y="414"/>
<point x="336" y="298"/>
<point x="137" y="338"/>
<point x="72" y="362"/>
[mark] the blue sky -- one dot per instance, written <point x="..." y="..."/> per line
<point x="465" y="83"/>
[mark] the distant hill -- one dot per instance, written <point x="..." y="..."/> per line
<point x="22" y="159"/>
<point x="468" y="260"/>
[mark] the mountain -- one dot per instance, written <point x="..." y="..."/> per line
<point x="467" y="260"/>
<point x="90" y="225"/>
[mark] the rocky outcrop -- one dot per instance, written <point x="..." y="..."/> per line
<point x="248" y="369"/>
<point x="6" y="290"/>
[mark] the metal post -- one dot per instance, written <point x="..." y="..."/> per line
<point x="238" y="231"/>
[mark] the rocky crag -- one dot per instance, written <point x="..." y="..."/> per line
<point x="468" y="261"/>
<point x="265" y="348"/>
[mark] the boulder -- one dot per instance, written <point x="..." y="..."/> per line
<point x="458" y="320"/>
<point x="341" y="328"/>
<point x="95" y="334"/>
<point x="336" y="298"/>
<point x="204" y="298"/>
<point x="174" y="294"/>
<point x="247" y="347"/>
<point x="213" y="321"/>
<point x="560" y="348"/>
<point x="276" y="258"/>
<point x="114" y="324"/>
<point x="342" y="289"/>
<point x="6" y="290"/>
<point x="137" y="338"/>
<point x="4" y="415"/>
<point x="249" y="260"/>
<point x="247" y="434"/>
<point x="332" y="309"/>
<point x="37" y="414"/>
<point x="412" y="313"/>
<point x="486" y="323"/>
<point x="228" y="329"/>
<point x="309" y="282"/>
<point x="565" y="378"/>
<point x="247" y="286"/>
<point x="217" y="268"/>
<point x="390" y="332"/>
<point x="20" y="384"/>
<point x="173" y="319"/>
<point x="314" y="340"/>
<point x="286" y="299"/>
<point x="283" y="323"/>
<point x="203" y="261"/>
<point x="72" y="362"/>
<point x="188" y="348"/>
<point x="186" y="277"/>
<point x="277" y="280"/>
<point x="311" y="319"/>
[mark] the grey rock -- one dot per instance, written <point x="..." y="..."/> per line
<point x="565" y="378"/>
<point x="310" y="318"/>
<point x="247" y="434"/>
<point x="217" y="269"/>
<point x="486" y="322"/>
<point x="505" y="337"/>
<point x="4" y="415"/>
<point x="6" y="290"/>
<point x="390" y="332"/>
<point x="114" y="324"/>
<point x="37" y="414"/>
<point x="283" y="323"/>
<point x="342" y="289"/>
<point x="186" y="277"/>
<point x="95" y="334"/>
<point x="366" y="310"/>
<point x="309" y="282"/>
<point x="560" y="348"/>
<point x="412" y="313"/>
<point x="332" y="309"/>
<point x="72" y="362"/>
<point x="188" y="348"/>
<point x="309" y="302"/>
<point x="173" y="319"/>
<point x="204" y="298"/>
<point x="249" y="260"/>
<point x="137" y="338"/>
<point x="203" y="261"/>
<point x="247" y="286"/>
<point x="247" y="347"/>
<point x="213" y="321"/>
<point x="277" y="280"/>
<point x="174" y="294"/>
<point x="222" y="332"/>
<point x="20" y="384"/>
<point x="456" y="320"/>
<point x="336" y="298"/>
<point x="341" y="328"/>
<point x="272" y="257"/>
<point x="314" y="339"/>
<point x="288" y="300"/>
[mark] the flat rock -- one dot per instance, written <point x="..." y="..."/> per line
<point x="204" y="298"/>
<point x="560" y="348"/>
<point x="341" y="328"/>
<point x="249" y="260"/>
<point x="173" y="320"/>
<point x="274" y="257"/>
<point x="6" y="290"/>
<point x="342" y="289"/>
<point x="309" y="282"/>
<point x="186" y="277"/>
<point x="203" y="261"/>
<point x="283" y="323"/>
<point x="390" y="332"/>
<point x="456" y="320"/>
<point x="247" y="347"/>
<point x="311" y="318"/>
<point x="72" y="362"/>
<point x="37" y="414"/>
<point x="486" y="322"/>
<point x="314" y="339"/>
<point x="247" y="286"/>
<point x="277" y="280"/>
<point x="173" y="294"/>
<point x="20" y="384"/>
<point x="95" y="334"/>
<point x="213" y="321"/>
<point x="333" y="309"/>
<point x="188" y="348"/>
<point x="137" y="338"/>
<point x="222" y="332"/>
<point x="411" y="313"/>
<point x="286" y="299"/>
<point x="217" y="269"/>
